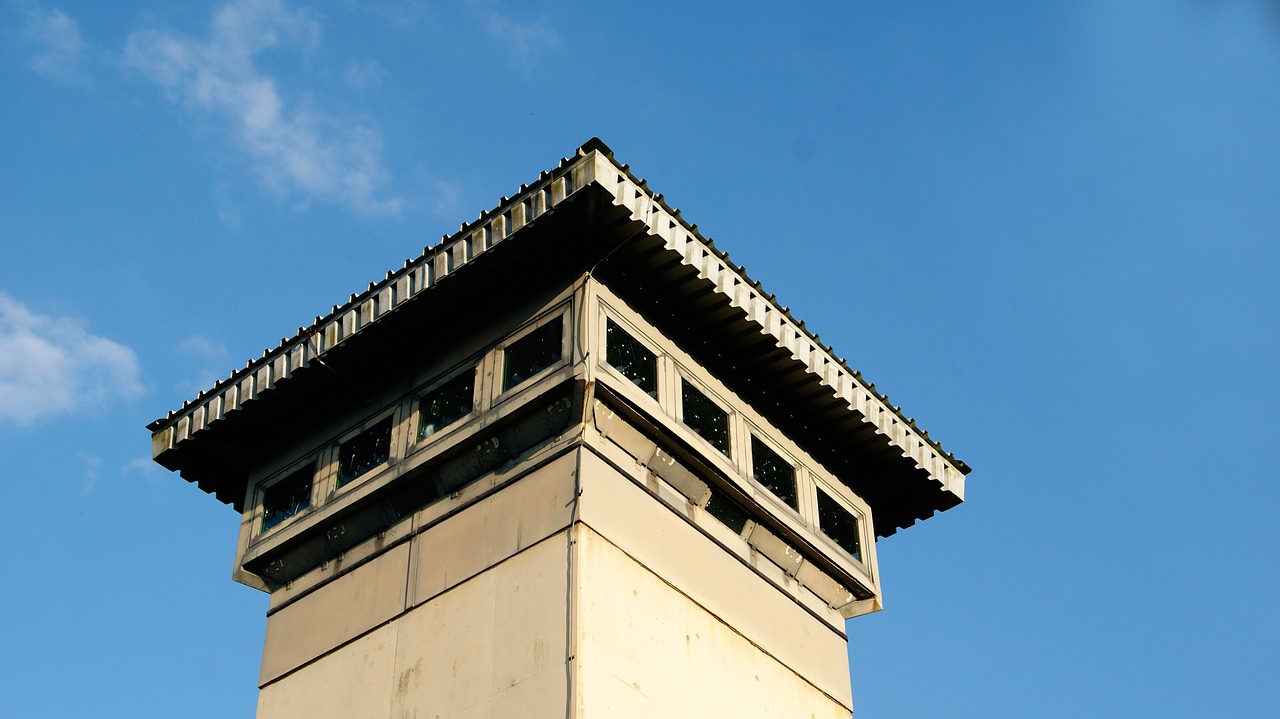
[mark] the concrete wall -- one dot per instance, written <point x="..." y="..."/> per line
<point x="647" y="650"/>
<point x="493" y="646"/>
<point x="756" y="619"/>
<point x="468" y="618"/>
<point x="571" y="592"/>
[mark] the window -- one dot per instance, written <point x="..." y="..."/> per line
<point x="532" y="353"/>
<point x="839" y="524"/>
<point x="364" y="451"/>
<point x="727" y="511"/>
<point x="705" y="417"/>
<point x="286" y="497"/>
<point x="775" y="473"/>
<point x="632" y="359"/>
<point x="446" y="404"/>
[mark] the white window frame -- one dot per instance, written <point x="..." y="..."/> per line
<point x="735" y="453"/>
<point x="260" y="494"/>
<point x="866" y="541"/>
<point x="394" y="452"/>
<point x="798" y="470"/>
<point x="498" y="357"/>
<point x="415" y="407"/>
<point x="661" y="359"/>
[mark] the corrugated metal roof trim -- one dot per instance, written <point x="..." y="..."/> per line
<point x="594" y="162"/>
<point x="366" y="308"/>
<point x="731" y="280"/>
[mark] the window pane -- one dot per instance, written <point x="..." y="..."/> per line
<point x="774" y="472"/>
<point x="625" y="354"/>
<point x="839" y="524"/>
<point x="727" y="511"/>
<point x="446" y="404"/>
<point x="705" y="417"/>
<point x="286" y="497"/>
<point x="531" y="354"/>
<point x="365" y="451"/>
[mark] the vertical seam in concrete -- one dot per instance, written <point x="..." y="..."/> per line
<point x="714" y="615"/>
<point x="411" y="571"/>
<point x="389" y="620"/>
<point x="571" y="600"/>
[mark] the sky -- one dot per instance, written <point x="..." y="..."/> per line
<point x="1047" y="230"/>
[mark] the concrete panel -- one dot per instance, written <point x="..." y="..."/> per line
<point x="647" y="651"/>
<point x="493" y="646"/>
<point x="335" y="613"/>
<point x="497" y="527"/>
<point x="326" y="572"/>
<point x="668" y="546"/>
<point x="355" y="681"/>
<point x="665" y="622"/>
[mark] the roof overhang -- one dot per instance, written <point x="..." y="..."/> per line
<point x="588" y="214"/>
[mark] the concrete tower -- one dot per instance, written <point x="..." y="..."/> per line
<point x="570" y="462"/>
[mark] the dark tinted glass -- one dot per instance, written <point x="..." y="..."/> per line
<point x="532" y="353"/>
<point x="365" y="451"/>
<point x="286" y="497"/>
<point x="839" y="524"/>
<point x="727" y="511"/>
<point x="705" y="417"/>
<point x="446" y="404"/>
<point x="774" y="472"/>
<point x="625" y="354"/>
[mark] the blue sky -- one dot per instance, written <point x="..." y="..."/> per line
<point x="1047" y="230"/>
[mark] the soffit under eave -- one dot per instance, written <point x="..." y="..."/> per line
<point x="536" y="258"/>
<point x="698" y="258"/>
<point x="751" y="363"/>
<point x="535" y="202"/>
<point x="628" y="211"/>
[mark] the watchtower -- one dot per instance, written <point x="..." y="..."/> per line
<point x="570" y="462"/>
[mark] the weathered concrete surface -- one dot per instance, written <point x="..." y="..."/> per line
<point x="665" y="655"/>
<point x="492" y="646"/>
<point x="571" y="592"/>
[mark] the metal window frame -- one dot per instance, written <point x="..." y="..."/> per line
<point x="394" y="452"/>
<point x="866" y="542"/>
<point x="607" y="316"/>
<point x="497" y="357"/>
<point x="733" y="452"/>
<point x="799" y="471"/>
<point x="414" y="413"/>
<point x="261" y="488"/>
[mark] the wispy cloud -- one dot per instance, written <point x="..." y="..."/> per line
<point x="365" y="74"/>
<point x="404" y="14"/>
<point x="524" y="40"/>
<point x="294" y="147"/>
<point x="53" y="365"/>
<point x="201" y="347"/>
<point x="92" y="465"/>
<point x="213" y="358"/>
<point x="445" y="197"/>
<point x="60" y="49"/>
<point x="228" y="205"/>
<point x="143" y="467"/>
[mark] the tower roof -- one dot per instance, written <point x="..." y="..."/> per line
<point x="589" y="213"/>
